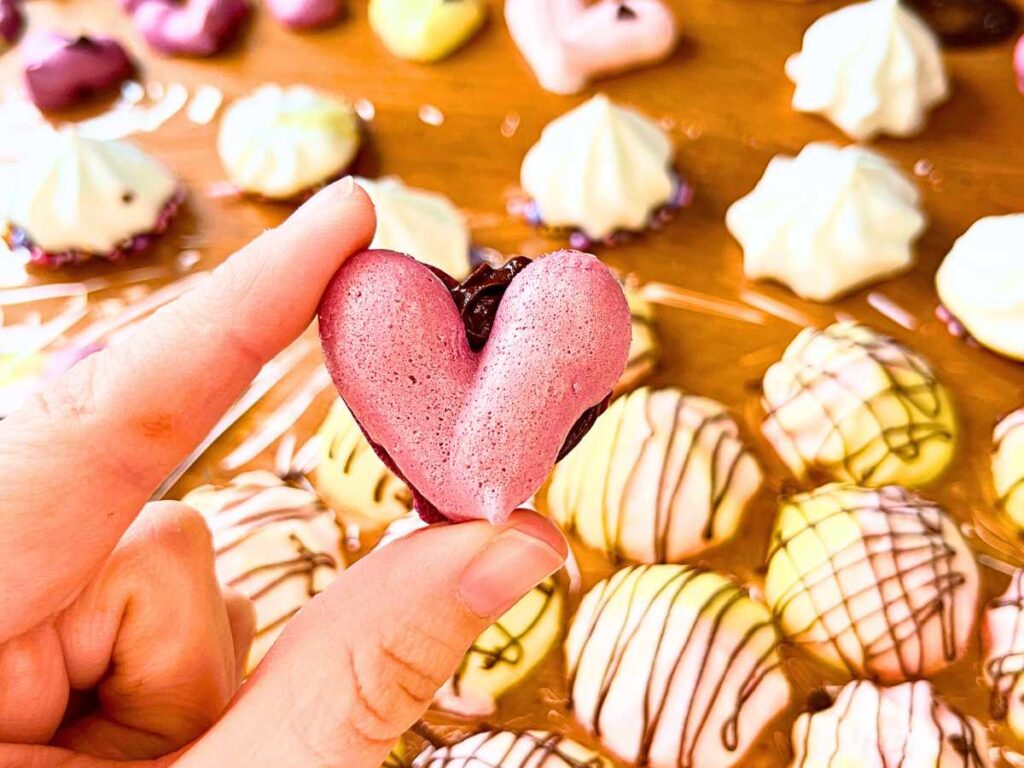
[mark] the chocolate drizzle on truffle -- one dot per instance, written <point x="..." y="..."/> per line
<point x="1005" y="667"/>
<point x="497" y="749"/>
<point x="477" y="299"/>
<point x="693" y="621"/>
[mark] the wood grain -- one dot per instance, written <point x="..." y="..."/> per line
<point x="726" y="100"/>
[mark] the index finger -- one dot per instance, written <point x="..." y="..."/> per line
<point x="79" y="461"/>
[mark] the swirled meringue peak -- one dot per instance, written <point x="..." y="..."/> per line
<point x="600" y="169"/>
<point x="828" y="221"/>
<point x="981" y="283"/>
<point x="80" y="197"/>
<point x="283" y="142"/>
<point x="870" y="68"/>
<point x="419" y="222"/>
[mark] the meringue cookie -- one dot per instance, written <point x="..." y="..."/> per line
<point x="508" y="749"/>
<point x="60" y="71"/>
<point x="305" y="14"/>
<point x="871" y="68"/>
<point x="662" y="476"/>
<point x="79" y="197"/>
<point x="426" y="225"/>
<point x="281" y="142"/>
<point x="644" y="348"/>
<point x="426" y="30"/>
<point x="898" y="727"/>
<point x="275" y="542"/>
<point x="600" y="168"/>
<point x="568" y="43"/>
<point x="189" y="28"/>
<point x="674" y="666"/>
<point x="353" y="481"/>
<point x="1003" y="650"/>
<point x="505" y="653"/>
<point x="874" y="583"/>
<point x="827" y="221"/>
<point x="854" y="405"/>
<point x="12" y="21"/>
<point x="1008" y="465"/>
<point x="981" y="282"/>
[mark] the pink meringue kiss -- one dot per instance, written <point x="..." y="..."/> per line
<point x="473" y="433"/>
<point x="305" y="14"/>
<point x="1018" y="63"/>
<point x="568" y="43"/>
<point x="61" y="71"/>
<point x="191" y="28"/>
<point x="11" y="22"/>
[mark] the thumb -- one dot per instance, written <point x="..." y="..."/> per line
<point x="363" y="660"/>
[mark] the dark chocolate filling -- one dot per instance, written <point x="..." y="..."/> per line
<point x="477" y="299"/>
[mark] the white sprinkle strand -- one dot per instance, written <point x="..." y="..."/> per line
<point x="431" y="115"/>
<point x="366" y="110"/>
<point x="205" y="104"/>
<point x="886" y="306"/>
<point x="510" y="125"/>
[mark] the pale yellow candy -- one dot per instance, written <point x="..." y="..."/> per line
<point x="426" y="30"/>
<point x="1008" y="465"/>
<point x="644" y="349"/>
<point x="275" y="542"/>
<point x="670" y="665"/>
<point x="17" y="368"/>
<point x="354" y="482"/>
<point x="661" y="476"/>
<point x="505" y="653"/>
<point x="874" y="582"/>
<point x="859" y="407"/>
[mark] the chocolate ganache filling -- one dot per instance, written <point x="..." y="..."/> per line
<point x="477" y="299"/>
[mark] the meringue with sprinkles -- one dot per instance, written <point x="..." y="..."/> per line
<point x="871" y="68"/>
<point x="601" y="169"/>
<point x="981" y="283"/>
<point x="426" y="225"/>
<point x="828" y="221"/>
<point x="283" y="142"/>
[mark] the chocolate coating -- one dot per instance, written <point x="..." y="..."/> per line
<point x="968" y="23"/>
<point x="61" y="71"/>
<point x="478" y="298"/>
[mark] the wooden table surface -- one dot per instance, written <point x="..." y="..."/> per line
<point x="726" y="100"/>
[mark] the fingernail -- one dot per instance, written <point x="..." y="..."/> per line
<point x="346" y="186"/>
<point x="525" y="553"/>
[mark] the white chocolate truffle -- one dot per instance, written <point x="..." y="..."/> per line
<point x="275" y="542"/>
<point x="875" y="583"/>
<point x="674" y="667"/>
<point x="507" y="749"/>
<point x="851" y="404"/>
<point x="599" y="168"/>
<point x="505" y="653"/>
<point x="69" y="193"/>
<point x="426" y="225"/>
<point x="981" y="282"/>
<point x="901" y="727"/>
<point x="870" y="68"/>
<point x="661" y="476"/>
<point x="353" y="481"/>
<point x="1008" y="465"/>
<point x="828" y="221"/>
<point x="283" y="142"/>
<point x="644" y="348"/>
<point x="1003" y="649"/>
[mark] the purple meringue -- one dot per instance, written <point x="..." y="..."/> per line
<point x="192" y="28"/>
<point x="11" y="22"/>
<point x="1018" y="63"/>
<point x="61" y="71"/>
<point x="305" y="14"/>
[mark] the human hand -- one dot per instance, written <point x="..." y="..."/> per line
<point x="116" y="642"/>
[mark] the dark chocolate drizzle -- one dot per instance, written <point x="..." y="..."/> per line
<point x="968" y="23"/>
<point x="913" y="542"/>
<point x="477" y="299"/>
<point x="645" y="608"/>
<point x="1005" y="670"/>
<point x="543" y="750"/>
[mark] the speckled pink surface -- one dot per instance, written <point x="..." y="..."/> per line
<point x="474" y="433"/>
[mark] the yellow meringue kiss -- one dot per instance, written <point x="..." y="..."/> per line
<point x="426" y="30"/>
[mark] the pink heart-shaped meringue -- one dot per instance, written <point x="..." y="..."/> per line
<point x="568" y="43"/>
<point x="475" y="433"/>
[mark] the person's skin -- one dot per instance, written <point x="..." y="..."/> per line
<point x="116" y="642"/>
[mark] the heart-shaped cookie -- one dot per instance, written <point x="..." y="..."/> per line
<point x="568" y="43"/>
<point x="474" y="433"/>
<point x="426" y="30"/>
